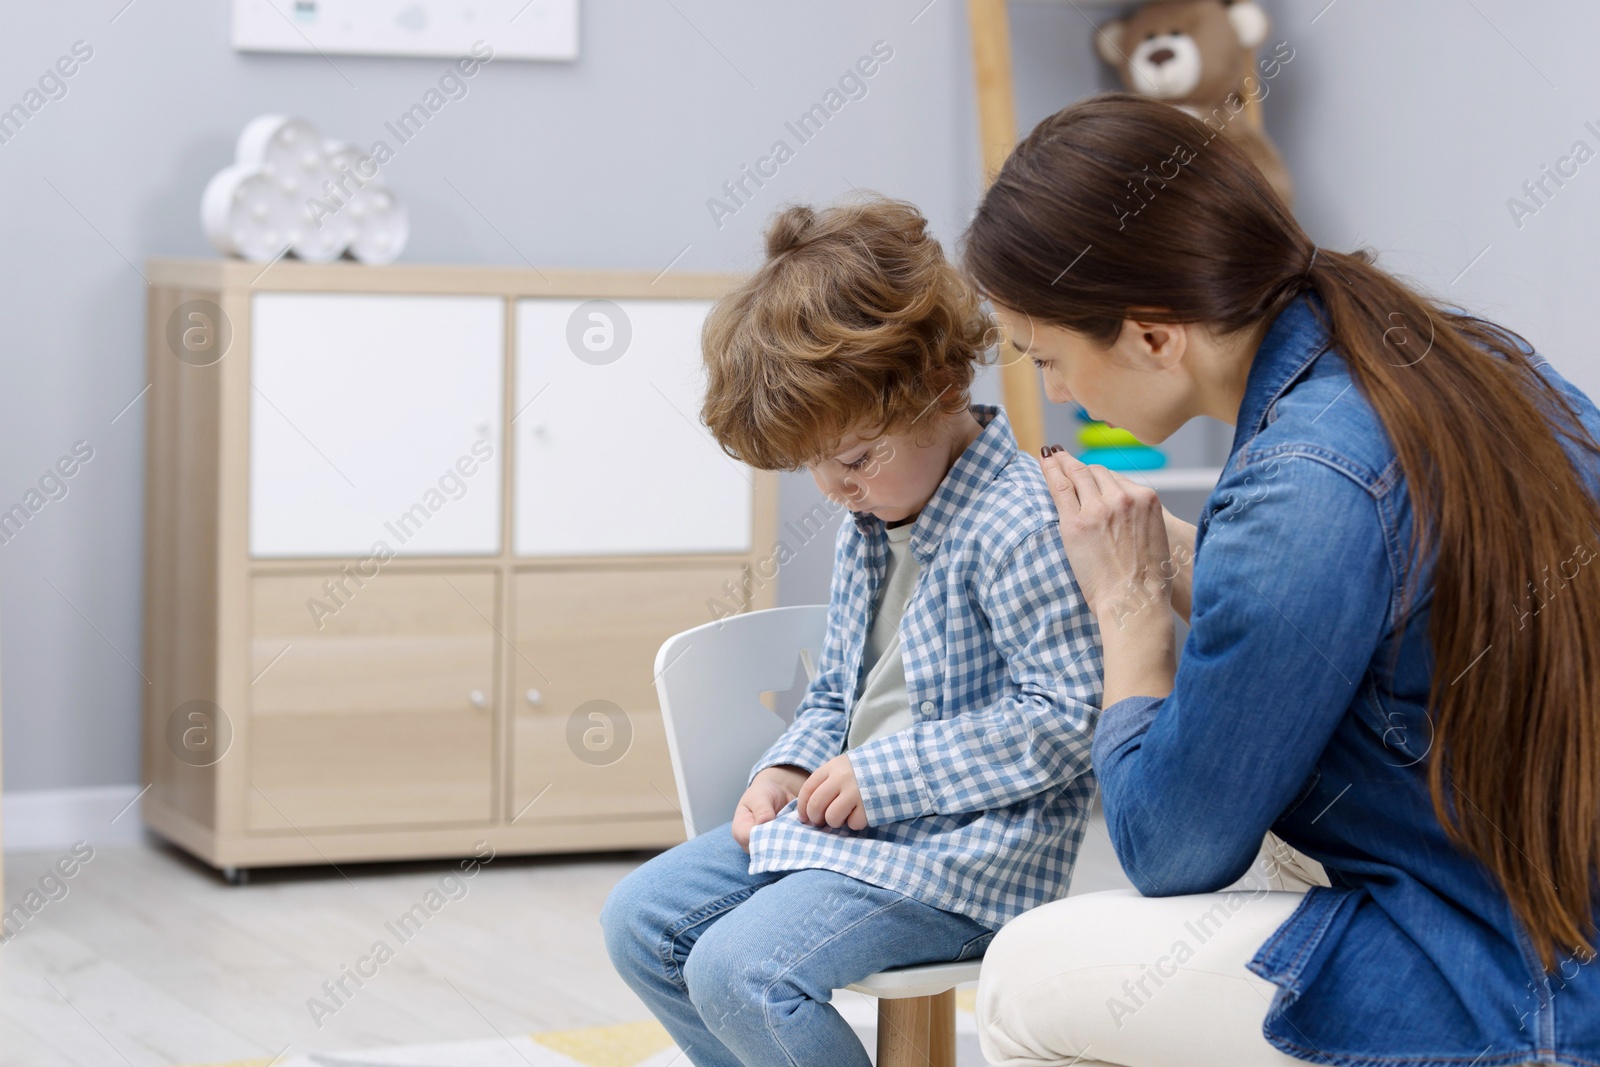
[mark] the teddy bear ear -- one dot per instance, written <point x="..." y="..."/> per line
<point x="1108" y="42"/>
<point x="1249" y="22"/>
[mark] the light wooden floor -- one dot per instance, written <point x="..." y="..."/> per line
<point x="151" y="960"/>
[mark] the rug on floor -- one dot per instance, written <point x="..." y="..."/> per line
<point x="639" y="1044"/>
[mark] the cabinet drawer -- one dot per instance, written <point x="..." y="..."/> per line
<point x="588" y="732"/>
<point x="375" y="418"/>
<point x="612" y="458"/>
<point x="373" y="704"/>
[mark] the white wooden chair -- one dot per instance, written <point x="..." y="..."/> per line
<point x="710" y="681"/>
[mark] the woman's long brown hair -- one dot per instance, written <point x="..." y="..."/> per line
<point x="1120" y="202"/>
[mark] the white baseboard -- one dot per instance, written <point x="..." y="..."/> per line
<point x="52" y="820"/>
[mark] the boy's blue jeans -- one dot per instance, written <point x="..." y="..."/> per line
<point x="740" y="968"/>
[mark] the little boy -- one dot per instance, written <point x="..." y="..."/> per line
<point x="935" y="781"/>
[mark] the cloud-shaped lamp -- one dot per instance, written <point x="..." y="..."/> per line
<point x="289" y="186"/>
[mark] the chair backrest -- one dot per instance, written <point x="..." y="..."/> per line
<point x="710" y="680"/>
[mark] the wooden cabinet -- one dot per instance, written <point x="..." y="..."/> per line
<point x="413" y="537"/>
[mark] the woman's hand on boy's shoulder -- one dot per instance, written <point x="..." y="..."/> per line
<point x="832" y="796"/>
<point x="1114" y="532"/>
<point x="769" y="791"/>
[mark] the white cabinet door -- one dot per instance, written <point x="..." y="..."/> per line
<point x="375" y="419"/>
<point x="611" y="456"/>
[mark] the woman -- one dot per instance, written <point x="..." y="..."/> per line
<point x="1394" y="653"/>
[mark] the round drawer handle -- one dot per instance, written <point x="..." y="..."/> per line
<point x="479" y="699"/>
<point x="535" y="697"/>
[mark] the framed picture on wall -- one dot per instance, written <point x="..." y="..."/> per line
<point x="515" y="29"/>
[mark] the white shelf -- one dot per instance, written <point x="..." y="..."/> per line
<point x="1204" y="478"/>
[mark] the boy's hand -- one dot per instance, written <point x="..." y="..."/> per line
<point x="770" y="789"/>
<point x="831" y="795"/>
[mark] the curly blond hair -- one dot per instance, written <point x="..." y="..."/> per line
<point x="856" y="323"/>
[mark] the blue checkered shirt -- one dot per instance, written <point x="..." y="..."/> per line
<point x="979" y="807"/>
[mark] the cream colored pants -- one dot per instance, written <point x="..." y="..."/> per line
<point x="1115" y="978"/>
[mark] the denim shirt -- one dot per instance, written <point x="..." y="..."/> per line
<point x="980" y="805"/>
<point x="1290" y="712"/>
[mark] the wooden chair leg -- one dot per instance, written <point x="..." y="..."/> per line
<point x="942" y="1029"/>
<point x="903" y="1031"/>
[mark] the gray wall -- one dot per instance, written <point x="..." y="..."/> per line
<point x="1407" y="127"/>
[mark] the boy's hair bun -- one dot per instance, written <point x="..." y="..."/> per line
<point x="790" y="229"/>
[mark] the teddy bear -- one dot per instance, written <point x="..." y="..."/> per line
<point x="1196" y="54"/>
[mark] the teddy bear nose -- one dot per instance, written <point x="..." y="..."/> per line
<point x="1162" y="55"/>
